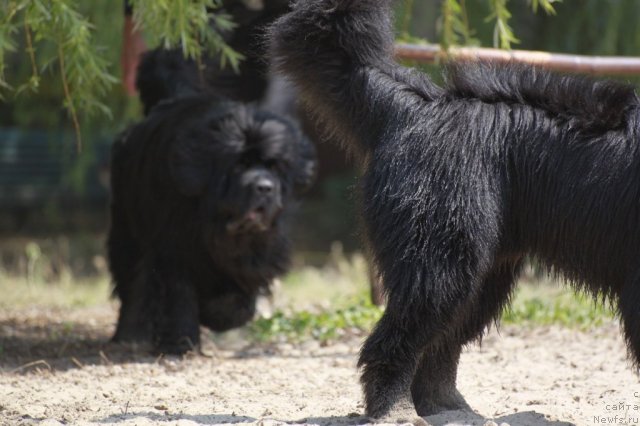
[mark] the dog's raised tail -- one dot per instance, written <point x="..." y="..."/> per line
<point x="328" y="36"/>
<point x="339" y="54"/>
<point x="165" y="74"/>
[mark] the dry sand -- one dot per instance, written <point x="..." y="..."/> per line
<point x="56" y="368"/>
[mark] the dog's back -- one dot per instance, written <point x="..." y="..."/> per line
<point x="593" y="104"/>
<point x="165" y="74"/>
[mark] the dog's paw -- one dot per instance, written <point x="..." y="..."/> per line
<point x="177" y="343"/>
<point x="400" y="419"/>
<point x="445" y="401"/>
<point x="401" y="412"/>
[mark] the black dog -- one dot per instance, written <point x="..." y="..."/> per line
<point x="460" y="183"/>
<point x="202" y="191"/>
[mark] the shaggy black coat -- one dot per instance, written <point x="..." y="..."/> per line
<point x="461" y="183"/>
<point x="202" y="191"/>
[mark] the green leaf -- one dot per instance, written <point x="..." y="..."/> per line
<point x="189" y="25"/>
<point x="546" y="5"/>
<point x="503" y="35"/>
<point x="455" y="25"/>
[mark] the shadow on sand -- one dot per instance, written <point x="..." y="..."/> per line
<point x="449" y="418"/>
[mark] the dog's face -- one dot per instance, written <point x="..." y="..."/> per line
<point x="261" y="153"/>
<point x="255" y="199"/>
<point x="244" y="165"/>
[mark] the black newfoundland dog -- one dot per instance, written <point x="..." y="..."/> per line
<point x="202" y="190"/>
<point x="461" y="183"/>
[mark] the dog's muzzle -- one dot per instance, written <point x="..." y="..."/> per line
<point x="263" y="203"/>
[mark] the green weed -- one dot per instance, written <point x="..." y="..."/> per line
<point x="322" y="303"/>
<point x="546" y="304"/>
<point x="323" y="326"/>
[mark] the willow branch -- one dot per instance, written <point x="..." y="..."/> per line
<point x="67" y="95"/>
<point x="30" y="50"/>
<point x="620" y="65"/>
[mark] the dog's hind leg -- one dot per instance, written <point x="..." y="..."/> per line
<point x="629" y="308"/>
<point x="389" y="358"/>
<point x="427" y="296"/>
<point x="392" y="353"/>
<point x="434" y="384"/>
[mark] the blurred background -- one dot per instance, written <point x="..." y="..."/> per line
<point x="53" y="199"/>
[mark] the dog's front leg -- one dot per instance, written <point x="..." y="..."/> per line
<point x="176" y="326"/>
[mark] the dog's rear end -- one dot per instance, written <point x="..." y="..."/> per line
<point x="460" y="184"/>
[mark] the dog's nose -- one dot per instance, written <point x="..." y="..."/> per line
<point x="264" y="186"/>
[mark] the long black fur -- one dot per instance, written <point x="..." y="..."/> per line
<point x="202" y="191"/>
<point x="462" y="182"/>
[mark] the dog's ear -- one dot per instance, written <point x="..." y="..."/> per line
<point x="190" y="165"/>
<point x="306" y="169"/>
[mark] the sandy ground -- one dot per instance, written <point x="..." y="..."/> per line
<point x="57" y="368"/>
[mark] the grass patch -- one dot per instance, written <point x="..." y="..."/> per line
<point x="323" y="326"/>
<point x="323" y="303"/>
<point x="537" y="302"/>
<point x="20" y="292"/>
<point x="341" y="280"/>
<point x="548" y="303"/>
<point x="533" y="305"/>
